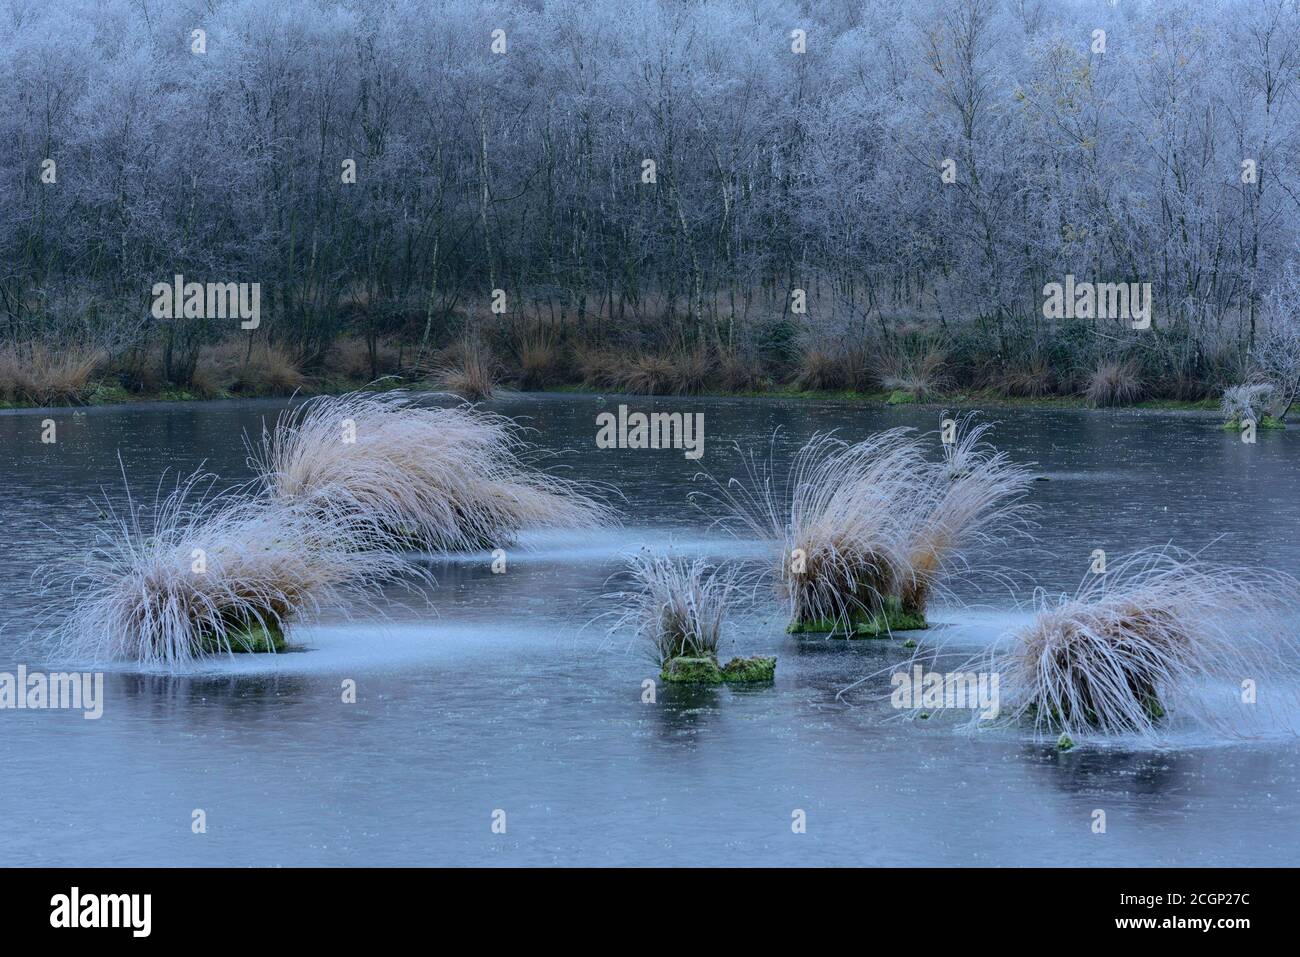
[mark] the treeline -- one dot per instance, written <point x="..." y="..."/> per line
<point x="655" y="180"/>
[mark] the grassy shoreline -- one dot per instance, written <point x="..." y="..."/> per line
<point x="991" y="400"/>
<point x="110" y="395"/>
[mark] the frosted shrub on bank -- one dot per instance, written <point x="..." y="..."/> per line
<point x="1242" y="402"/>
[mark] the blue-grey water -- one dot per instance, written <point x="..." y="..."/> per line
<point x="500" y="695"/>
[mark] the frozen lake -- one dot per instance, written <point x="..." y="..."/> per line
<point x="500" y="694"/>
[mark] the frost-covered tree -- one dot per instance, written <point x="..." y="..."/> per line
<point x="654" y="173"/>
<point x="1276" y="352"/>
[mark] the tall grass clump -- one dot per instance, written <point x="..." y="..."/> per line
<point x="1114" y="382"/>
<point x="841" y="521"/>
<point x="540" y="361"/>
<point x="599" y="367"/>
<point x="1030" y="377"/>
<point x="910" y="371"/>
<point x="973" y="505"/>
<point x="1160" y="632"/>
<point x="647" y="375"/>
<point x="470" y="373"/>
<point x="865" y="532"/>
<point x="1248" y="402"/>
<point x="196" y="575"/>
<point x="250" y="369"/>
<point x="360" y="360"/>
<point x="47" y="374"/>
<point x="821" y="370"/>
<point x="439" y="478"/>
<point x="676" y="608"/>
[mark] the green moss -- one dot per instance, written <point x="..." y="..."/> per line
<point x="251" y="637"/>
<point x="892" y="618"/>
<point x="1151" y="705"/>
<point x="756" y="668"/>
<point x="1146" y="698"/>
<point x="900" y="397"/>
<point x="1265" y="422"/>
<point x="816" y="626"/>
<point x="108" y="394"/>
<point x="909" y="643"/>
<point x="692" y="671"/>
<point x="1064" y="742"/>
<point x="882" y="624"/>
<point x="707" y="671"/>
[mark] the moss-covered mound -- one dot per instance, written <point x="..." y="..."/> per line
<point x="879" y="624"/>
<point x="692" y="671"/>
<point x="1264" y="422"/>
<point x="756" y="668"/>
<point x="708" y="671"/>
<point x="893" y="618"/>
